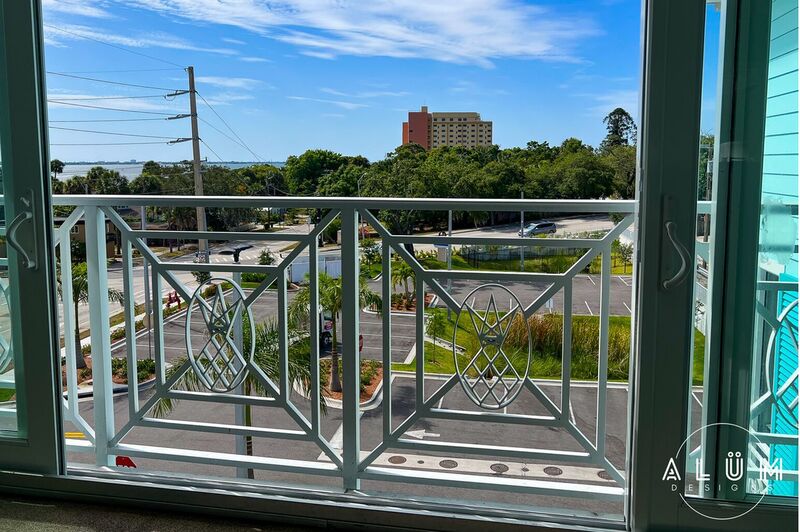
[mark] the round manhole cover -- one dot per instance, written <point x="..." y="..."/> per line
<point x="604" y="475"/>
<point x="553" y="471"/>
<point x="397" y="460"/>
<point x="499" y="468"/>
<point x="420" y="461"/>
<point x="448" y="464"/>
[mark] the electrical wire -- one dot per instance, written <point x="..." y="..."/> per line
<point x="108" y="120"/>
<point x="103" y="143"/>
<point x="211" y="150"/>
<point x="87" y="98"/>
<point x="61" y="102"/>
<point x="212" y="126"/>
<point x="124" y="49"/>
<point x="111" y="133"/>
<point x="121" y="71"/>
<point x="228" y="126"/>
<point x="110" y="82"/>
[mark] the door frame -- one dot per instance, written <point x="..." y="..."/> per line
<point x="674" y="32"/>
<point x="36" y="446"/>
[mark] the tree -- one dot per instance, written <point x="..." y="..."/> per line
<point x="621" y="129"/>
<point x="622" y="159"/>
<point x="80" y="294"/>
<point x="402" y="273"/>
<point x="266" y="356"/>
<point x="201" y="277"/>
<point x="435" y="327"/>
<point x="266" y="257"/>
<point x="303" y="172"/>
<point x="57" y="167"/>
<point x="626" y="254"/>
<point x="331" y="299"/>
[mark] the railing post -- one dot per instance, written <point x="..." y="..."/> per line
<point x="97" y="277"/>
<point x="351" y="441"/>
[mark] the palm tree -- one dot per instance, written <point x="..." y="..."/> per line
<point x="402" y="273"/>
<point x="267" y="357"/>
<point x="80" y="294"/>
<point x="331" y="300"/>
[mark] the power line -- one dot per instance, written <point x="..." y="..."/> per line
<point x="110" y="82"/>
<point x="62" y="102"/>
<point x="228" y="126"/>
<point x="110" y="133"/>
<point x="154" y="58"/>
<point x="212" y="126"/>
<point x="103" y="143"/>
<point x="211" y="150"/>
<point x="87" y="98"/>
<point x="108" y="120"/>
<point x="121" y="71"/>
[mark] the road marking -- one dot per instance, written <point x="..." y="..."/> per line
<point x="587" y="307"/>
<point x="623" y="280"/>
<point x="592" y="280"/>
<point x="75" y="435"/>
<point x="627" y="307"/>
<point x="421" y="434"/>
<point x="571" y="412"/>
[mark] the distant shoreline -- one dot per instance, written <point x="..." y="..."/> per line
<point x="133" y="169"/>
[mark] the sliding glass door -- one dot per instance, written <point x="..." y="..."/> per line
<point x="28" y="426"/>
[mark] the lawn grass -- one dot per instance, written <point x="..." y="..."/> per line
<point x="6" y="394"/>
<point x="544" y="364"/>
<point x="544" y="264"/>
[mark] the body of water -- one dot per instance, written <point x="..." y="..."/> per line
<point x="132" y="170"/>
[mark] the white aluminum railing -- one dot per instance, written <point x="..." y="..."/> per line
<point x="223" y="374"/>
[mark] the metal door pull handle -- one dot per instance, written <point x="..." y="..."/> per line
<point x="683" y="253"/>
<point x="11" y="235"/>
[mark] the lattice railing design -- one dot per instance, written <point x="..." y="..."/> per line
<point x="221" y="362"/>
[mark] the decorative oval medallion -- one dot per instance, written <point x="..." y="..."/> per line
<point x="220" y="364"/>
<point x="784" y="391"/>
<point x="489" y="377"/>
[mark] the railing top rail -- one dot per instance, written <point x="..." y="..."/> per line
<point x="597" y="206"/>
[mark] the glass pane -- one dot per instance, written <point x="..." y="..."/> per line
<point x="773" y="413"/>
<point x="8" y="409"/>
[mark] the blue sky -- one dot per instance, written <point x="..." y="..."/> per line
<point x="298" y="74"/>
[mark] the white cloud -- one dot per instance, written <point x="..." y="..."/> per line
<point x="458" y="31"/>
<point x="228" y="82"/>
<point x="226" y="98"/>
<point x="84" y="8"/>
<point x="249" y="59"/>
<point x="364" y="94"/>
<point x="233" y="41"/>
<point x="338" y="103"/>
<point x="55" y="37"/>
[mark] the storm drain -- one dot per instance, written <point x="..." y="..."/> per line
<point x="397" y="460"/>
<point x="604" y="475"/>
<point x="499" y="468"/>
<point x="448" y="464"/>
<point x="553" y="471"/>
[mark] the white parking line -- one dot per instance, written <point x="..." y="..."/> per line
<point x="592" y="280"/>
<point x="627" y="307"/>
<point x="588" y="308"/>
<point x="623" y="280"/>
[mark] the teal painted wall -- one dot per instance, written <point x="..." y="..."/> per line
<point x="779" y="185"/>
<point x="780" y="139"/>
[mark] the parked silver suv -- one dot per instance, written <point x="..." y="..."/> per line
<point x="537" y="228"/>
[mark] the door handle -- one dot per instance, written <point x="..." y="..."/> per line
<point x="28" y="257"/>
<point x="683" y="253"/>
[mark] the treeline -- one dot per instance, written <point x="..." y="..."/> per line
<point x="571" y="170"/>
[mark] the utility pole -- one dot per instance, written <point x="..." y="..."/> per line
<point x="202" y="245"/>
